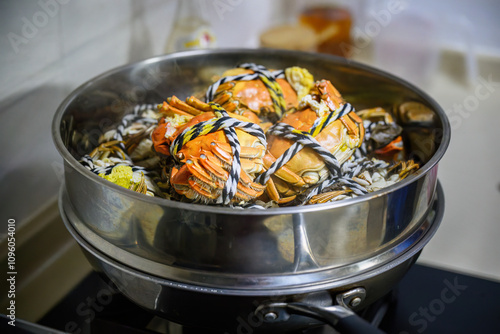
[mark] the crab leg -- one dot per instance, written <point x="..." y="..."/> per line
<point x="273" y="193"/>
<point x="406" y="168"/>
<point x="252" y="166"/>
<point x="222" y="98"/>
<point x="330" y="94"/>
<point x="212" y="164"/>
<point x="199" y="172"/>
<point x="249" y="191"/>
<point x="175" y="102"/>
<point x="110" y="147"/>
<point x="198" y="104"/>
<point x="168" y="110"/>
<point x="225" y="86"/>
<point x="375" y="115"/>
<point x="200" y="189"/>
<point x="325" y="197"/>
<point x="202" y="182"/>
<point x="231" y="106"/>
<point x="283" y="173"/>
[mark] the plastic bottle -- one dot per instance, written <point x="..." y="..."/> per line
<point x="190" y="30"/>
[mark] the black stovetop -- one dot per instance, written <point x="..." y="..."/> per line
<point x="427" y="300"/>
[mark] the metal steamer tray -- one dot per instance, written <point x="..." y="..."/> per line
<point x="246" y="253"/>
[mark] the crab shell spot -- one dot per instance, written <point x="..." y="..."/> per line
<point x="253" y="94"/>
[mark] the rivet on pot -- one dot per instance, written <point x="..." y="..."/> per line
<point x="355" y="302"/>
<point x="270" y="316"/>
<point x="351" y="298"/>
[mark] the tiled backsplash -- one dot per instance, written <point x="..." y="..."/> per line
<point x="48" y="48"/>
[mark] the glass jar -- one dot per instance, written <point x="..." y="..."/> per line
<point x="332" y="25"/>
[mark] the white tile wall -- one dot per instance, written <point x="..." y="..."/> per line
<point x="69" y="43"/>
<point x="76" y="40"/>
<point x="26" y="50"/>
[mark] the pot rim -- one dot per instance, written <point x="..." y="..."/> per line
<point x="71" y="161"/>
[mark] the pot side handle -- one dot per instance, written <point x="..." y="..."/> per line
<point x="339" y="317"/>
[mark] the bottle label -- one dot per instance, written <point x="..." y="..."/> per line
<point x="201" y="38"/>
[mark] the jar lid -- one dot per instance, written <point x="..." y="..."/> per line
<point x="291" y="37"/>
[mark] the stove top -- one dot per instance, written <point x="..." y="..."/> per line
<point x="427" y="300"/>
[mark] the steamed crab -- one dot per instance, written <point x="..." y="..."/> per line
<point x="269" y="94"/>
<point x="336" y="132"/>
<point x="217" y="154"/>
<point x="383" y="135"/>
<point x="228" y="151"/>
<point x="124" y="155"/>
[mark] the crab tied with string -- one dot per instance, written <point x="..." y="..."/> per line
<point x="307" y="147"/>
<point x="124" y="155"/>
<point x="216" y="154"/>
<point x="270" y="94"/>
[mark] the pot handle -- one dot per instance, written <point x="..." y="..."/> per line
<point x="340" y="318"/>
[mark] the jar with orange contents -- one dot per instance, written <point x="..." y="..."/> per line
<point x="332" y="25"/>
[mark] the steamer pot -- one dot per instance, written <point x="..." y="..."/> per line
<point x="245" y="311"/>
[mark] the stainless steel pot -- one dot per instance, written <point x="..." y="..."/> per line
<point x="263" y="310"/>
<point x="284" y="251"/>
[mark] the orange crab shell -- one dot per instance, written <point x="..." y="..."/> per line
<point x="161" y="144"/>
<point x="331" y="138"/>
<point x="254" y="94"/>
<point x="206" y="160"/>
<point x="341" y="137"/>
